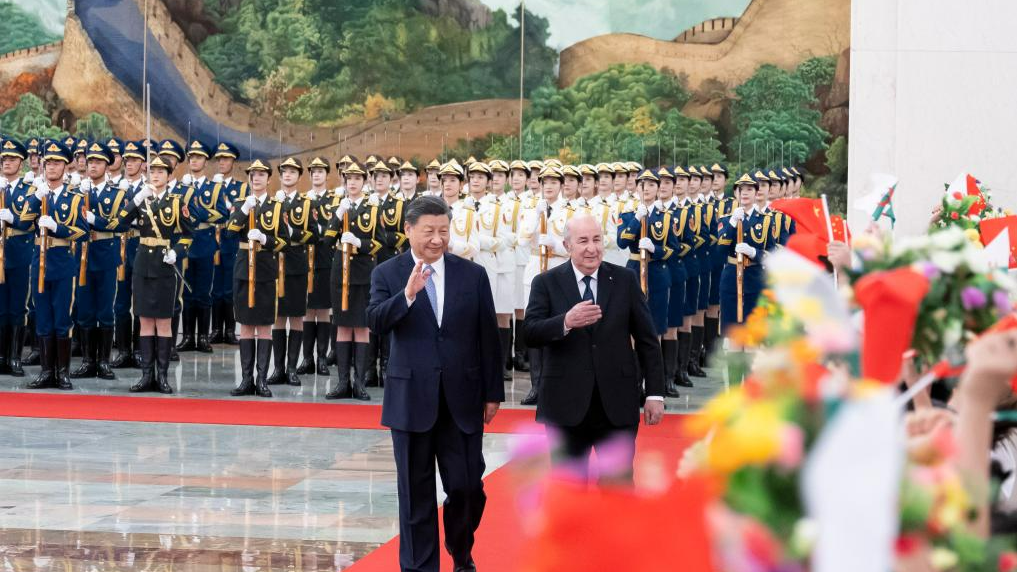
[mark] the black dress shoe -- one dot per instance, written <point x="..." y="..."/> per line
<point x="187" y="344"/>
<point x="694" y="370"/>
<point x="672" y="389"/>
<point x="682" y="379"/>
<point x="203" y="345"/>
<point x="520" y="365"/>
<point x="531" y="397"/>
<point x="292" y="379"/>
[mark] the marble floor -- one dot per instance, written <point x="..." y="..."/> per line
<point x="97" y="496"/>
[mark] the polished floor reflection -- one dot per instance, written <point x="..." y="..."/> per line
<point x="90" y="495"/>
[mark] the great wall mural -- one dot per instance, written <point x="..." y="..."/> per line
<point x="764" y="83"/>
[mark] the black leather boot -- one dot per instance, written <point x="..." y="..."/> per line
<point x="122" y="339"/>
<point x="669" y="350"/>
<point x="162" y="360"/>
<point x="103" y="349"/>
<point x="505" y="334"/>
<point x="307" y="349"/>
<point x="16" y="343"/>
<point x="323" y="343"/>
<point x="229" y="331"/>
<point x="33" y="342"/>
<point x="264" y="355"/>
<point x="370" y="362"/>
<point x="681" y="375"/>
<point x="695" y="349"/>
<point x="202" y="344"/>
<point x="63" y="355"/>
<point x="47" y="359"/>
<point x="535" y="369"/>
<point x="247" y="352"/>
<point x="5" y="348"/>
<point x="76" y="342"/>
<point x="146" y="346"/>
<point x="87" y="368"/>
<point x="331" y="344"/>
<point x="217" y="320"/>
<point x="521" y="362"/>
<point x="710" y="335"/>
<point x="187" y="343"/>
<point x="278" y="376"/>
<point x="136" y="334"/>
<point x="174" y="327"/>
<point x="343" y="352"/>
<point x="361" y="366"/>
<point x="293" y="347"/>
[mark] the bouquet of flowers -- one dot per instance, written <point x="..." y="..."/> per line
<point x="964" y="204"/>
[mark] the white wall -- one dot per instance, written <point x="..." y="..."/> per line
<point x="933" y="93"/>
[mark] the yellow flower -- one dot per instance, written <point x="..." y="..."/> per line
<point x="752" y="438"/>
<point x="717" y="411"/>
<point x="973" y="235"/>
<point x="943" y="559"/>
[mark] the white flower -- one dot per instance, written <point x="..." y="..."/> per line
<point x="950" y="238"/>
<point x="953" y="334"/>
<point x="947" y="261"/>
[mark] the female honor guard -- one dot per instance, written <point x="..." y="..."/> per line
<point x="125" y="331"/>
<point x="223" y="322"/>
<point x="744" y="254"/>
<point x="57" y="212"/>
<point x="519" y="173"/>
<point x="165" y="237"/>
<point x="676" y="268"/>
<point x="17" y="256"/>
<point x="317" y="320"/>
<point x="356" y="227"/>
<point x="294" y="273"/>
<point x="462" y="240"/>
<point x="254" y="300"/>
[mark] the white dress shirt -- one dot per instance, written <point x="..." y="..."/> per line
<point x="438" y="277"/>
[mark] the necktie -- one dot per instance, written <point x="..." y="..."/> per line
<point x="432" y="293"/>
<point x="588" y="291"/>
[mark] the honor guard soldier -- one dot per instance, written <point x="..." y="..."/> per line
<point x="258" y="219"/>
<point x="357" y="234"/>
<point x="409" y="181"/>
<point x="656" y="240"/>
<point x="495" y="253"/>
<point x="511" y="208"/>
<point x="99" y="258"/>
<point x="207" y="209"/>
<point x="746" y="236"/>
<point x="173" y="154"/>
<point x="116" y="169"/>
<point x="780" y="228"/>
<point x="126" y="327"/>
<point x="56" y="211"/>
<point x="317" y="320"/>
<point x="164" y="238"/>
<point x="519" y="173"/>
<point x="234" y="193"/>
<point x="390" y="209"/>
<point x="80" y="150"/>
<point x="462" y="240"/>
<point x="793" y="181"/>
<point x="697" y="291"/>
<point x="723" y="207"/>
<point x="299" y="226"/>
<point x="543" y="230"/>
<point x="32" y="146"/>
<point x="17" y="255"/>
<point x="432" y="180"/>
<point x="70" y="142"/>
<point x="676" y="269"/>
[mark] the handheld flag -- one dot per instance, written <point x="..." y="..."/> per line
<point x="878" y="202"/>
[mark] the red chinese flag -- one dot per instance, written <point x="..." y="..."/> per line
<point x="841" y="232"/>
<point x="610" y="530"/>
<point x="890" y="300"/>
<point x="809" y="246"/>
<point x="991" y="228"/>
<point x="807" y="214"/>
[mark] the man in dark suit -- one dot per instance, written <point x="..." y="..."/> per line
<point x="586" y="315"/>
<point x="444" y="383"/>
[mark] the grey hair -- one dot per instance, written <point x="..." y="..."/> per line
<point x="571" y="221"/>
<point x="425" y="206"/>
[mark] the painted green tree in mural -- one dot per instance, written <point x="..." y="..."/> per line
<point x="21" y="30"/>
<point x="627" y="112"/>
<point x="29" y="118"/>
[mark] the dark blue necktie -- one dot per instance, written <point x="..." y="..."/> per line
<point x="588" y="291"/>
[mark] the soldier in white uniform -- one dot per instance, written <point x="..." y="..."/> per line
<point x="518" y="176"/>
<point x="543" y="229"/>
<point x="463" y="241"/>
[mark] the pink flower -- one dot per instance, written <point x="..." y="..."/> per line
<point x="972" y="298"/>
<point x="1002" y="302"/>
<point x="792" y="446"/>
<point x="1008" y="562"/>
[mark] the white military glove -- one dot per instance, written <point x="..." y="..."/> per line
<point x="29" y="177"/>
<point x="48" y="223"/>
<point x="123" y="185"/>
<point x="170" y="257"/>
<point x="344" y="207"/>
<point x="737" y="215"/>
<point x="350" y="238"/>
<point x="469" y="203"/>
<point x="546" y="240"/>
<point x="647" y="245"/>
<point x="42" y="192"/>
<point x="659" y="205"/>
<point x="4" y="182"/>
<point x="458" y="247"/>
<point x="582" y="202"/>
<point x="75" y="179"/>
<point x="143" y="194"/>
<point x="641" y="212"/>
<point x="744" y="248"/>
<point x="373" y="200"/>
<point x="7" y="216"/>
<point x="186" y="180"/>
<point x="541" y="206"/>
<point x="312" y="195"/>
<point x="255" y="234"/>
<point x="86" y="185"/>
<point x="280" y="195"/>
<point x="90" y="217"/>
<point x="217" y="178"/>
<point x="249" y="204"/>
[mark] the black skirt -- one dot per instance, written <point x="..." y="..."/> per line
<point x="154" y="297"/>
<point x="294" y="302"/>
<point x="264" y="311"/>
<point x="321" y="298"/>
<point x="356" y="315"/>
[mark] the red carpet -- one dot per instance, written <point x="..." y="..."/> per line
<point x="214" y="411"/>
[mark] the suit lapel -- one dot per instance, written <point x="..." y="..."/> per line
<point x="406" y="265"/>
<point x="567" y="281"/>
<point x="605" y="283"/>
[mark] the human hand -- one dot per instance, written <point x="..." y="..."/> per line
<point x="256" y="234"/>
<point x="48" y="223"/>
<point x="744" y="248"/>
<point x="217" y="178"/>
<point x="653" y="411"/>
<point x="839" y="254"/>
<point x="583" y="314"/>
<point x="350" y="238"/>
<point x="7" y="216"/>
<point x="143" y="194"/>
<point x="992" y="363"/>
<point x="417" y="280"/>
<point x="646" y="244"/>
<point x="170" y="257"/>
<point x="249" y="203"/>
<point x="641" y="212"/>
<point x="737" y="215"/>
<point x="490" y="410"/>
<point x="90" y="217"/>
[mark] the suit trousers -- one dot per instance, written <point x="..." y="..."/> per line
<point x="461" y="465"/>
<point x="595" y="432"/>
